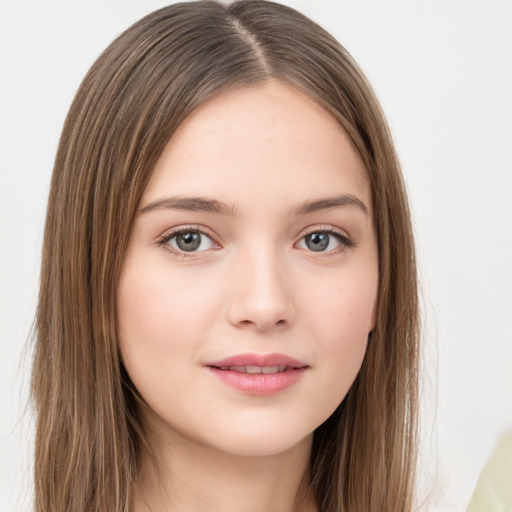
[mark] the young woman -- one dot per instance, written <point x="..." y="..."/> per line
<point x="228" y="308"/>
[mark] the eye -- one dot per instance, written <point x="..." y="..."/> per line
<point x="187" y="240"/>
<point x="324" y="241"/>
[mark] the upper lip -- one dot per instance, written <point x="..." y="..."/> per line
<point x="258" y="360"/>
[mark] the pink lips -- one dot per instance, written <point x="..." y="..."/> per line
<point x="258" y="374"/>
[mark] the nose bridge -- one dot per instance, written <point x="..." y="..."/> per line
<point x="262" y="295"/>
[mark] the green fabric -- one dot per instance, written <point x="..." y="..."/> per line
<point x="493" y="492"/>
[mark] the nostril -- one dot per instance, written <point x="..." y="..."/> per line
<point x="263" y="324"/>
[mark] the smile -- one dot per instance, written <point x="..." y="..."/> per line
<point x="257" y="374"/>
<point x="256" y="369"/>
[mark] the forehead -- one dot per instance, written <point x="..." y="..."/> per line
<point x="269" y="142"/>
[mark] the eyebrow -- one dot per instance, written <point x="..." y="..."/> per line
<point x="330" y="202"/>
<point x="207" y="205"/>
<point x="191" y="204"/>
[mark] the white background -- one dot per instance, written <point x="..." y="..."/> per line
<point x="443" y="71"/>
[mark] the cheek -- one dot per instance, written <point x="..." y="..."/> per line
<point x="153" y="299"/>
<point x="341" y="319"/>
<point x="344" y="314"/>
<point x="162" y="320"/>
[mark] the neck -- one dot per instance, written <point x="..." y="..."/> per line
<point x="183" y="475"/>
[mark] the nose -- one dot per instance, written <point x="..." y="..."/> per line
<point x="262" y="297"/>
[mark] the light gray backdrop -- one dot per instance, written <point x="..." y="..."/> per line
<point x="443" y="71"/>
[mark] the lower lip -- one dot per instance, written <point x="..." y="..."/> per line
<point x="259" y="383"/>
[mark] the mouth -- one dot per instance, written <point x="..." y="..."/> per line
<point x="249" y="363"/>
<point x="256" y="369"/>
<point x="257" y="374"/>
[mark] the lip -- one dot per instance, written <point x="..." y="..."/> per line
<point x="258" y="360"/>
<point x="259" y="383"/>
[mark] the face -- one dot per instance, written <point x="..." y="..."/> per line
<point x="249" y="285"/>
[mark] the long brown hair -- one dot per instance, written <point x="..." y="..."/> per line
<point x="89" y="436"/>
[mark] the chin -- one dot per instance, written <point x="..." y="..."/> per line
<point x="258" y="439"/>
<point x="261" y="446"/>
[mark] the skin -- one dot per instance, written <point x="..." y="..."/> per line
<point x="253" y="286"/>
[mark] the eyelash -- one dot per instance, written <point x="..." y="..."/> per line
<point x="163" y="241"/>
<point x="345" y="241"/>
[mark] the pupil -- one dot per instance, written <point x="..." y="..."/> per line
<point x="188" y="241"/>
<point x="317" y="241"/>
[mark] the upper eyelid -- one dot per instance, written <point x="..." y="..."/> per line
<point x="171" y="232"/>
<point x="325" y="229"/>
